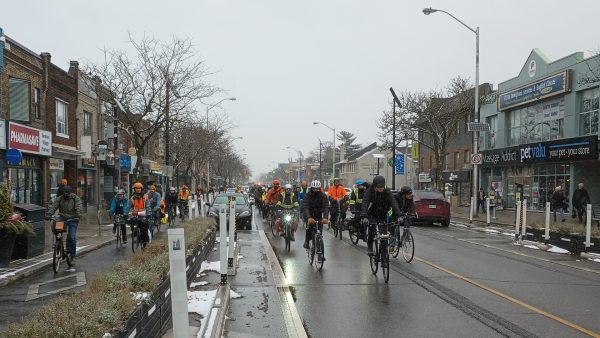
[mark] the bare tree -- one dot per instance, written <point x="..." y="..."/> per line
<point x="431" y="118"/>
<point x="160" y="84"/>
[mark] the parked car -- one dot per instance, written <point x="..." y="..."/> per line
<point x="243" y="211"/>
<point x="230" y="191"/>
<point x="431" y="207"/>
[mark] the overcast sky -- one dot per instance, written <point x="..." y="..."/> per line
<point x="289" y="63"/>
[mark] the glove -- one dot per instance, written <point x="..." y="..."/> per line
<point x="324" y="221"/>
<point x="311" y="221"/>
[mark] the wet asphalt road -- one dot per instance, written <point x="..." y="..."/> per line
<point x="462" y="283"/>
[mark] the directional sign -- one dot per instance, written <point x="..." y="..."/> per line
<point x="478" y="126"/>
<point x="399" y="164"/>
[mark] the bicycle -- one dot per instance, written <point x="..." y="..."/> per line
<point x="287" y="218"/>
<point x="381" y="254"/>
<point x="403" y="241"/>
<point x="183" y="209"/>
<point x="137" y="240"/>
<point x="172" y="214"/>
<point x="58" y="246"/>
<point x="338" y="226"/>
<point x="316" y="246"/>
<point x="355" y="228"/>
<point x="271" y="219"/>
<point x="120" y="228"/>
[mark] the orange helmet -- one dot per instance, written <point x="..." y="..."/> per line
<point x="304" y="184"/>
<point x="138" y="185"/>
<point x="275" y="182"/>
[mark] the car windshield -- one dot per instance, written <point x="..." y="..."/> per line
<point x="223" y="200"/>
<point x="429" y="195"/>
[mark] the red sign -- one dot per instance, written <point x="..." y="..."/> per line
<point x="29" y="140"/>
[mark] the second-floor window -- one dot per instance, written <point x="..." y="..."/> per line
<point x="19" y="99"/>
<point x="588" y="116"/>
<point x="537" y="123"/>
<point x="446" y="161"/>
<point x="37" y="103"/>
<point x="87" y="124"/>
<point x="467" y="156"/>
<point x="491" y="135"/>
<point x="61" y="118"/>
<point x="457" y="163"/>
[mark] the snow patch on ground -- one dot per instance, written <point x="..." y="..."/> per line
<point x="141" y="296"/>
<point x="531" y="246"/>
<point x="201" y="302"/>
<point x="492" y="231"/>
<point x="596" y="260"/>
<point x="508" y="234"/>
<point x="210" y="266"/>
<point x="240" y="257"/>
<point x="234" y="295"/>
<point x="557" y="249"/>
<point x="193" y="285"/>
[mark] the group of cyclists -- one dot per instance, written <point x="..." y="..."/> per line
<point x="370" y="204"/>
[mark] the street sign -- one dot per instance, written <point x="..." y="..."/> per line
<point x="476" y="159"/>
<point x="13" y="156"/>
<point x="399" y="164"/>
<point x="478" y="126"/>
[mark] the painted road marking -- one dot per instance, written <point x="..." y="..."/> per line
<point x="513" y="300"/>
<point x="33" y="292"/>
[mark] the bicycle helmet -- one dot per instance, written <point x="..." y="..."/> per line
<point x="315" y="184"/>
<point x="379" y="181"/>
<point x="288" y="186"/>
<point x="360" y="182"/>
<point x="121" y="192"/>
<point x="275" y="182"/>
<point x="406" y="190"/>
<point x="138" y="185"/>
<point x="172" y="189"/>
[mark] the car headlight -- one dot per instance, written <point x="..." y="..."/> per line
<point x="244" y="213"/>
<point x="288" y="218"/>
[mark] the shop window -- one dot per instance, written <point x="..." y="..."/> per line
<point x="61" y="119"/>
<point x="37" y="103"/>
<point x="87" y="124"/>
<point x="588" y="116"/>
<point x="467" y="156"/>
<point x="491" y="135"/>
<point x="537" y="123"/>
<point x="19" y="99"/>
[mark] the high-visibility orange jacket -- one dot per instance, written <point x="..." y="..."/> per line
<point x="336" y="193"/>
<point x="273" y="195"/>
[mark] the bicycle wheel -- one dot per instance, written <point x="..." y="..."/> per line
<point x="272" y="226"/>
<point x="57" y="255"/>
<point x="395" y="243"/>
<point x="384" y="258"/>
<point x="288" y="238"/>
<point x="118" y="238"/>
<point x="311" y="252"/>
<point x="374" y="259"/>
<point x="353" y="233"/>
<point x="408" y="246"/>
<point x="135" y="239"/>
<point x="340" y="226"/>
<point x="335" y="230"/>
<point x="320" y="253"/>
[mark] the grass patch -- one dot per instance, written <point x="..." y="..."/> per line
<point x="108" y="300"/>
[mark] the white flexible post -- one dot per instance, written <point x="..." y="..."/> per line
<point x="471" y="210"/>
<point x="231" y="240"/>
<point x="524" y="225"/>
<point x="518" y="220"/>
<point x="223" y="243"/>
<point x="588" y="226"/>
<point x="487" y="210"/>
<point x="177" y="272"/>
<point x="190" y="210"/>
<point x="547" y="228"/>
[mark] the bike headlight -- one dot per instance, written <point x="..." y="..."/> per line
<point x="213" y="213"/>
<point x="288" y="218"/>
<point x="244" y="213"/>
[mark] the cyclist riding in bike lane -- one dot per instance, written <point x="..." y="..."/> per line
<point x="301" y="193"/>
<point x="355" y="202"/>
<point x="138" y="205"/>
<point x="288" y="201"/>
<point x="171" y="201"/>
<point x="152" y="207"/>
<point x="337" y="194"/>
<point x="120" y="206"/>
<point x="273" y="196"/>
<point x="377" y="202"/>
<point x="316" y="206"/>
<point x="184" y="198"/>
<point x="70" y="208"/>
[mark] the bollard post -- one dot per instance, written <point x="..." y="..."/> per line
<point x="494" y="211"/>
<point x="179" y="299"/>
<point x="518" y="221"/>
<point x="197" y="208"/>
<point x="524" y="223"/>
<point x="223" y="244"/>
<point x="547" y="228"/>
<point x="190" y="206"/>
<point x="487" y="210"/>
<point x="231" y="241"/>
<point x="588" y="226"/>
<point x="471" y="209"/>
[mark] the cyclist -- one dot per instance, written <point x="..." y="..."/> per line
<point x="184" y="197"/>
<point x="376" y="202"/>
<point x="120" y="206"/>
<point x="303" y="190"/>
<point x="337" y="194"/>
<point x="273" y="196"/>
<point x="70" y="208"/>
<point x="171" y="201"/>
<point x="355" y="202"/>
<point x="316" y="206"/>
<point x="138" y="205"/>
<point x="288" y="201"/>
<point x="152" y="206"/>
<point x="405" y="200"/>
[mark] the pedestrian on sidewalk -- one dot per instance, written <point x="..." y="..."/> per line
<point x="558" y="203"/>
<point x="580" y="200"/>
<point x="481" y="200"/>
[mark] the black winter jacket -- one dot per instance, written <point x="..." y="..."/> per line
<point x="316" y="205"/>
<point x="376" y="205"/>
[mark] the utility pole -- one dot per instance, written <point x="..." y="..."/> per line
<point x="320" y="165"/>
<point x="116" y="148"/>
<point x="167" y="129"/>
<point x="394" y="135"/>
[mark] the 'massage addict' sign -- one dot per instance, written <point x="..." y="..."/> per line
<point x="572" y="149"/>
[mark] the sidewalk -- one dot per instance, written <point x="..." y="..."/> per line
<point x="503" y="217"/>
<point x="89" y="237"/>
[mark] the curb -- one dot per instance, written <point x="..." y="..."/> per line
<point x="44" y="264"/>
<point x="217" y="314"/>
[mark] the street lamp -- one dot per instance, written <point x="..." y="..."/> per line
<point x="333" y="150"/>
<point x="428" y="11"/>
<point x="208" y="160"/>
<point x="299" y="162"/>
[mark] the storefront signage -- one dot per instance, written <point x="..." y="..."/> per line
<point x="13" y="157"/>
<point x="56" y="164"/>
<point x="155" y="166"/>
<point x="29" y="140"/>
<point x="88" y="162"/>
<point x="573" y="149"/>
<point x="2" y="134"/>
<point x="125" y="162"/>
<point x="455" y="176"/>
<point x="424" y="178"/>
<point x="547" y="87"/>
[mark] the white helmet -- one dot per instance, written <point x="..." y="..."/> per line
<point x="288" y="186"/>
<point x="315" y="184"/>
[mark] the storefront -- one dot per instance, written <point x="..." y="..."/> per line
<point x="457" y="184"/>
<point x="86" y="181"/>
<point x="533" y="171"/>
<point x="25" y="171"/>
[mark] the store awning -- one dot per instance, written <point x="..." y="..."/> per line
<point x="66" y="152"/>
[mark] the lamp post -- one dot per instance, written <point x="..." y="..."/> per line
<point x="333" y="150"/>
<point x="428" y="11"/>
<point x="208" y="108"/>
<point x="299" y="161"/>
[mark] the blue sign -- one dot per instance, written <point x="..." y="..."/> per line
<point x="13" y="156"/>
<point x="1" y="49"/>
<point x="125" y="162"/>
<point x="548" y="87"/>
<point x="399" y="164"/>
